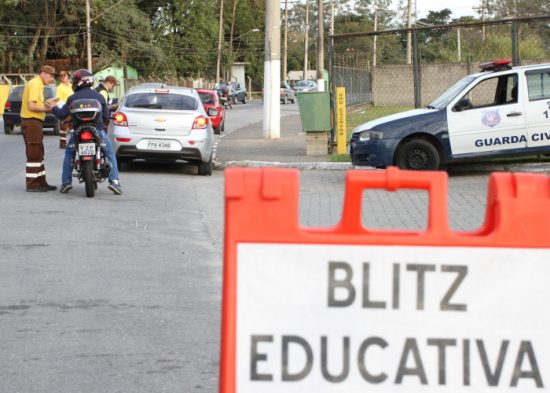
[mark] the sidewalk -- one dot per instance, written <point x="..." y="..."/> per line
<point x="247" y="147"/>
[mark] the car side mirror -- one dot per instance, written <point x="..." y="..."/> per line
<point x="463" y="104"/>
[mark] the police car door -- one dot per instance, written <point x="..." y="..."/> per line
<point x="538" y="107"/>
<point x="488" y="117"/>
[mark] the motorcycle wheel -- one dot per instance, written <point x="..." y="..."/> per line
<point x="88" y="175"/>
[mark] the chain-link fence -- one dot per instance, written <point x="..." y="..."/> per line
<point x="390" y="71"/>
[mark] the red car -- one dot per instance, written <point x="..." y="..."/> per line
<point x="212" y="106"/>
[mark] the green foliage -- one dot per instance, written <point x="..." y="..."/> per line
<point x="179" y="37"/>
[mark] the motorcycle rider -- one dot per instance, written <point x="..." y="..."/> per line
<point x="224" y="92"/>
<point x="83" y="81"/>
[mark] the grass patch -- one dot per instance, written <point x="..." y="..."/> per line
<point x="370" y="113"/>
<point x="339" y="158"/>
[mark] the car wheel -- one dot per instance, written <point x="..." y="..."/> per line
<point x="418" y="154"/>
<point x="56" y="128"/>
<point x="120" y="164"/>
<point x="293" y="99"/>
<point x="244" y="99"/>
<point x="205" y="168"/>
<point x="217" y="130"/>
<point x="223" y="126"/>
<point x="8" y="129"/>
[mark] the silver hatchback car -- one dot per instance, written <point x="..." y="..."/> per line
<point x="162" y="123"/>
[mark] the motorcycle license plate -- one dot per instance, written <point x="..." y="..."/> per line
<point x="86" y="149"/>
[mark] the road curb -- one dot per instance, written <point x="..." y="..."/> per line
<point x="344" y="166"/>
<point x="327" y="166"/>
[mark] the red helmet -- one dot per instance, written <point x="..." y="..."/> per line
<point x="82" y="78"/>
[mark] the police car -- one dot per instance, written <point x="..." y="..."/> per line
<point x="498" y="112"/>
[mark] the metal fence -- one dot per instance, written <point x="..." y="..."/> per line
<point x="356" y="80"/>
<point x="388" y="71"/>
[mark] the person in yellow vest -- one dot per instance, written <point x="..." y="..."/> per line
<point x="64" y="90"/>
<point x="105" y="87"/>
<point x="33" y="113"/>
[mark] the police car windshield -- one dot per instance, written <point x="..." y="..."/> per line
<point x="443" y="100"/>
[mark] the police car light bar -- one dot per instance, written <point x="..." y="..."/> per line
<point x="496" y="65"/>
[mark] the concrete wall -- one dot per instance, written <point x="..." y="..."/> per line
<point x="237" y="72"/>
<point x="393" y="85"/>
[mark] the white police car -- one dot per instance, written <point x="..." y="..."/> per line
<point x="499" y="112"/>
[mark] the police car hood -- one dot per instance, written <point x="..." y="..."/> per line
<point x="396" y="117"/>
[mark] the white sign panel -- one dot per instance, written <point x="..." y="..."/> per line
<point x="351" y="319"/>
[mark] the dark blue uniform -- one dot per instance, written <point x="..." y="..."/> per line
<point x="64" y="111"/>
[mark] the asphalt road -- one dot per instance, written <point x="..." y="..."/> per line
<point x="122" y="293"/>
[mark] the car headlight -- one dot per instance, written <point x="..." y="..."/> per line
<point x="370" y="135"/>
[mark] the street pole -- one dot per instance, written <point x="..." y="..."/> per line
<point x="304" y="76"/>
<point x="285" y="44"/>
<point x="89" y="21"/>
<point x="375" y="37"/>
<point x="320" y="46"/>
<point x="88" y="36"/>
<point x="272" y="70"/>
<point x="220" y="39"/>
<point x="409" y="38"/>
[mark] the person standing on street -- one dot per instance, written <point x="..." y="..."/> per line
<point x="105" y="87"/>
<point x="64" y="90"/>
<point x="33" y="113"/>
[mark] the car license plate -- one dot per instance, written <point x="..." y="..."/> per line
<point x="86" y="149"/>
<point x="159" y="145"/>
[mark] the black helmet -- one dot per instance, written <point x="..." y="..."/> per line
<point x="82" y="78"/>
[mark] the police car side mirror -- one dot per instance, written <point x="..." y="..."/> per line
<point x="462" y="105"/>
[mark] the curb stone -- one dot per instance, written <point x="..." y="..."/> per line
<point x="344" y="166"/>
<point x="327" y="166"/>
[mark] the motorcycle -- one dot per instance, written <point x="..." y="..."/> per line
<point x="225" y="100"/>
<point x="89" y="164"/>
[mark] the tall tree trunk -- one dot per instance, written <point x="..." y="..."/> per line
<point x="231" y="57"/>
<point x="9" y="60"/>
<point x="32" y="46"/>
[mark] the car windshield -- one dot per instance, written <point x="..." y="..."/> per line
<point x="49" y="92"/>
<point x="161" y="101"/>
<point x="443" y="100"/>
<point x="302" y="83"/>
<point x="206" y="98"/>
<point x="17" y="93"/>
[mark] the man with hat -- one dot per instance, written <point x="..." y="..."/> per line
<point x="33" y="113"/>
<point x="105" y="87"/>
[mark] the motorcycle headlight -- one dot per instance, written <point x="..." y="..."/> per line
<point x="368" y="135"/>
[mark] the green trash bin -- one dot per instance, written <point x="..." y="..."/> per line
<point x="314" y="109"/>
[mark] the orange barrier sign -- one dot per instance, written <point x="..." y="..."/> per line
<point x="348" y="309"/>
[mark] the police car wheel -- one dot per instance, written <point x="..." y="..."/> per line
<point x="418" y="154"/>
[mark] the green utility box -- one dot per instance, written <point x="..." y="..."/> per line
<point x="314" y="110"/>
<point x="315" y="115"/>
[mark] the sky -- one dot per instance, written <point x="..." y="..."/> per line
<point x="458" y="7"/>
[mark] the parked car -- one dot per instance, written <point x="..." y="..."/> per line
<point x="498" y="112"/>
<point x="287" y="94"/>
<point x="12" y="108"/>
<point x="163" y="123"/>
<point x="238" y="92"/>
<point x="305" y="85"/>
<point x="214" y="109"/>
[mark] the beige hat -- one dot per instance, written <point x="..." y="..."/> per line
<point x="48" y="70"/>
<point x="111" y="79"/>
